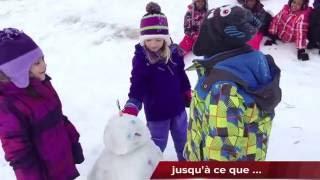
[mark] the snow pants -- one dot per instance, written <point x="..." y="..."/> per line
<point x="177" y="126"/>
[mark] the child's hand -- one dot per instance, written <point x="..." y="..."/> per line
<point x="272" y="40"/>
<point x="269" y="42"/>
<point x="129" y="110"/>
<point x="187" y="98"/>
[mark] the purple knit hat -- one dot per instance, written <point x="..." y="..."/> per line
<point x="154" y="24"/>
<point x="17" y="54"/>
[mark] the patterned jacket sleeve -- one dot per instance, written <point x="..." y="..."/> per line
<point x="273" y="28"/>
<point x="18" y="148"/>
<point x="188" y="23"/>
<point x="138" y="83"/>
<point x="301" y="29"/>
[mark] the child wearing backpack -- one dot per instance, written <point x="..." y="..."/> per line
<point x="159" y="82"/>
<point x="314" y="27"/>
<point x="237" y="90"/>
<point x="192" y="21"/>
<point x="256" y="7"/>
<point x="291" y="25"/>
<point x="39" y="142"/>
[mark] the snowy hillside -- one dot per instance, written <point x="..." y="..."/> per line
<point x="88" y="47"/>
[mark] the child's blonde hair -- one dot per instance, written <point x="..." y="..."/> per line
<point x="165" y="52"/>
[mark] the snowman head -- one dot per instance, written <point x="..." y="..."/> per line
<point x="123" y="134"/>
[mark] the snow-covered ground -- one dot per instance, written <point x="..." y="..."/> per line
<point x="88" y="47"/>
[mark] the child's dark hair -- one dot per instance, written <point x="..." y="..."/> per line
<point x="205" y="4"/>
<point x="304" y="5"/>
<point x="245" y="1"/>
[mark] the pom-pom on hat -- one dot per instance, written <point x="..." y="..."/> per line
<point x="17" y="54"/>
<point x="154" y="24"/>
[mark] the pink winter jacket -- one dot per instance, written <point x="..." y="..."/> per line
<point x="193" y="19"/>
<point x="39" y="142"/>
<point x="291" y="26"/>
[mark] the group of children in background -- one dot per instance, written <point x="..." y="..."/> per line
<point x="192" y="21"/>
<point x="296" y="22"/>
<point x="41" y="143"/>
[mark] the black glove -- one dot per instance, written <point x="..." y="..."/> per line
<point x="302" y="55"/>
<point x="187" y="98"/>
<point x="77" y="153"/>
<point x="272" y="40"/>
<point x="268" y="42"/>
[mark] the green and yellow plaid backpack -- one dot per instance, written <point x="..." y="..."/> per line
<point x="230" y="121"/>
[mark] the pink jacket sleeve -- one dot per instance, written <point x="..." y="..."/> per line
<point x="273" y="28"/>
<point x="301" y="29"/>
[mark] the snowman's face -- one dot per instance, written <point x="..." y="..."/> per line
<point x="125" y="133"/>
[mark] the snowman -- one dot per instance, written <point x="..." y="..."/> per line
<point x="129" y="152"/>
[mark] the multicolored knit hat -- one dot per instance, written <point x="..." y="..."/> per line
<point x="154" y="24"/>
<point x="17" y="54"/>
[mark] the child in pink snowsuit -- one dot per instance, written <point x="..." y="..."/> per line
<point x="192" y="20"/>
<point x="291" y="25"/>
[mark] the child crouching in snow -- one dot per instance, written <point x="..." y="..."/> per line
<point x="159" y="82"/>
<point x="38" y="140"/>
<point x="129" y="148"/>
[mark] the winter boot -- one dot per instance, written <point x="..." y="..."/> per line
<point x="302" y="55"/>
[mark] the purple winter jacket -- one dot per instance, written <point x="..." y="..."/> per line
<point x="38" y="140"/>
<point x="160" y="87"/>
